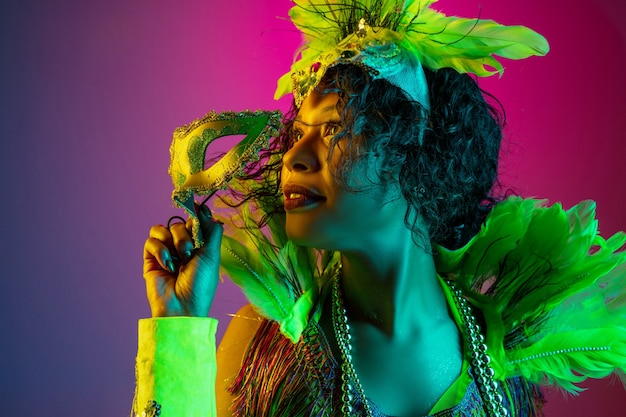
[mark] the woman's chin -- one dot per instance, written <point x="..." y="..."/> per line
<point x="308" y="236"/>
<point x="302" y="239"/>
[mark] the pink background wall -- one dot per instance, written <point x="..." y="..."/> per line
<point x="90" y="93"/>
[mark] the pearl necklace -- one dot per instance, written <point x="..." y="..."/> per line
<point x="475" y="341"/>
<point x="348" y="374"/>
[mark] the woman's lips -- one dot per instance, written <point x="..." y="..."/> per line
<point x="297" y="196"/>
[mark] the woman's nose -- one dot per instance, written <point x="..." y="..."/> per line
<point x="303" y="156"/>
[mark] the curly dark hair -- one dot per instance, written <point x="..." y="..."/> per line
<point x="446" y="158"/>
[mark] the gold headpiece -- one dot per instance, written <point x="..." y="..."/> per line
<point x="392" y="39"/>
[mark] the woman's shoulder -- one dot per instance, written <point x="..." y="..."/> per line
<point x="231" y="352"/>
<point x="240" y="331"/>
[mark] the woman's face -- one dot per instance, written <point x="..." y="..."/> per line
<point x="320" y="213"/>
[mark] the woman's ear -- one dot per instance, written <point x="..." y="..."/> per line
<point x="389" y="166"/>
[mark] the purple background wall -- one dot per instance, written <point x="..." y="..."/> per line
<point x="90" y="93"/>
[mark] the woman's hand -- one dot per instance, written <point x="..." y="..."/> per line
<point x="181" y="281"/>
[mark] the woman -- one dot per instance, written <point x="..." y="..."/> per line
<point x="391" y="178"/>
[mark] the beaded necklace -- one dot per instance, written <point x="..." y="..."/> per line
<point x="475" y="342"/>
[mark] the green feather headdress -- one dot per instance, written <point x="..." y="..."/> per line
<point x="392" y="39"/>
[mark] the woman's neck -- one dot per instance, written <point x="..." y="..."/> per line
<point x="394" y="288"/>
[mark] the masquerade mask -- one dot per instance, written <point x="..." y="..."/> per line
<point x="188" y="153"/>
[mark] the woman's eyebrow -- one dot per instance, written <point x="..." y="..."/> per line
<point x="329" y="121"/>
<point x="328" y="109"/>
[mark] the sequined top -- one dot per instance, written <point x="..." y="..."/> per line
<point x="280" y="378"/>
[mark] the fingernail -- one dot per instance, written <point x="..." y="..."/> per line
<point x="170" y="265"/>
<point x="187" y="254"/>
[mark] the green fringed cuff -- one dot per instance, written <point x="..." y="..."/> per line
<point x="176" y="367"/>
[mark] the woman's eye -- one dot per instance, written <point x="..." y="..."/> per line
<point x="332" y="129"/>
<point x="296" y="135"/>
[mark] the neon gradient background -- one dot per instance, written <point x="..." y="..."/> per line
<point x="90" y="93"/>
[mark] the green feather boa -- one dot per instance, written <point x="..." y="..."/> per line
<point x="551" y="289"/>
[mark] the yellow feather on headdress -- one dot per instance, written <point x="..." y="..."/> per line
<point x="429" y="36"/>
